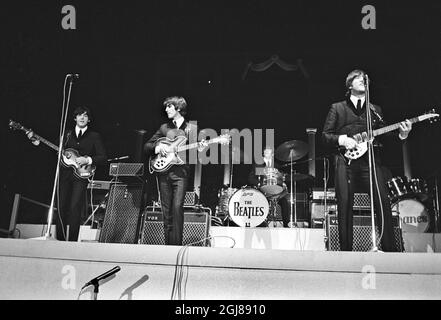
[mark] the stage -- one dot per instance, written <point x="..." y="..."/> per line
<point x="43" y="269"/>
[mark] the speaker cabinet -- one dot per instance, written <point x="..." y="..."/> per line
<point x="362" y="239"/>
<point x="196" y="228"/>
<point x="122" y="217"/>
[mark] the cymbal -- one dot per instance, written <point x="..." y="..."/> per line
<point x="298" y="177"/>
<point x="299" y="150"/>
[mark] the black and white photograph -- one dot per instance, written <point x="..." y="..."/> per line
<point x="227" y="152"/>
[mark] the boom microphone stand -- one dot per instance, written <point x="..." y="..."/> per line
<point x="370" y="153"/>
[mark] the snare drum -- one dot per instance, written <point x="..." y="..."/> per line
<point x="419" y="188"/>
<point x="272" y="182"/>
<point x="398" y="188"/>
<point x="413" y="215"/>
<point x="248" y="207"/>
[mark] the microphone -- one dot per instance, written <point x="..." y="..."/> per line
<point x="105" y="275"/>
<point x="73" y="75"/>
<point x="119" y="158"/>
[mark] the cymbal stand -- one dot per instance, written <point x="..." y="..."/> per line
<point x="292" y="201"/>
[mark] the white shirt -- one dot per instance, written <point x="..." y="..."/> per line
<point x="267" y="162"/>
<point x="77" y="130"/>
<point x="179" y="122"/>
<point x="355" y="99"/>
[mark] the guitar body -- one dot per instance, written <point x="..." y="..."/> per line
<point x="161" y="163"/>
<point x="69" y="157"/>
<point x="356" y="152"/>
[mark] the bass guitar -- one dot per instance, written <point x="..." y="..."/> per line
<point x="68" y="157"/>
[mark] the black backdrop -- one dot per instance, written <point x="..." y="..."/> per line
<point x="132" y="54"/>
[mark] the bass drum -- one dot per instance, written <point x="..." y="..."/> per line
<point x="413" y="215"/>
<point x="248" y="207"/>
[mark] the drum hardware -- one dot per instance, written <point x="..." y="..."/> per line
<point x="403" y="188"/>
<point x="291" y="151"/>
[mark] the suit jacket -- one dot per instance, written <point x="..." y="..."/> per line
<point x="90" y="144"/>
<point x="169" y="130"/>
<point x="344" y="118"/>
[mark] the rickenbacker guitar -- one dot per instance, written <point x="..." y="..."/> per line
<point x="68" y="156"/>
<point x="362" y="138"/>
<point x="160" y="163"/>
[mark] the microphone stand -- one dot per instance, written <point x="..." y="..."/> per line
<point x="64" y="112"/>
<point x="370" y="153"/>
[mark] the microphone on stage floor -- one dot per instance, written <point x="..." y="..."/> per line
<point x="118" y="158"/>
<point x="105" y="275"/>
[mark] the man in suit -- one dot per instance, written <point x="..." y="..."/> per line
<point x="255" y="178"/>
<point x="72" y="190"/>
<point x="344" y="119"/>
<point x="173" y="182"/>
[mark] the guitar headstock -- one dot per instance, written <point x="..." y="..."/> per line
<point x="432" y="115"/>
<point x="15" y="125"/>
<point x="224" y="139"/>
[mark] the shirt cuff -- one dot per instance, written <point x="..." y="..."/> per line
<point x="89" y="160"/>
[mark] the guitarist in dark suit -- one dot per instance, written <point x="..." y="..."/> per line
<point x="344" y="119"/>
<point x="72" y="196"/>
<point x="173" y="182"/>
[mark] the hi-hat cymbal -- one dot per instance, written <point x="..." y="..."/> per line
<point x="298" y="177"/>
<point x="291" y="150"/>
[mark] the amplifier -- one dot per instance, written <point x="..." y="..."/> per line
<point x="99" y="185"/>
<point x="362" y="201"/>
<point x="126" y="169"/>
<point x="362" y="240"/>
<point x="317" y="209"/>
<point x="190" y="199"/>
<point x="319" y="194"/>
<point x="196" y="228"/>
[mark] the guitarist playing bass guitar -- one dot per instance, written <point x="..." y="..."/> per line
<point x="72" y="196"/>
<point x="344" y="120"/>
<point x="172" y="182"/>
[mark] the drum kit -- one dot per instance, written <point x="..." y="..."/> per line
<point x="252" y="206"/>
<point x="408" y="197"/>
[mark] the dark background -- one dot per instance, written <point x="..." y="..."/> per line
<point x="132" y="54"/>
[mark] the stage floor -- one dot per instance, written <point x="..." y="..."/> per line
<point x="42" y="269"/>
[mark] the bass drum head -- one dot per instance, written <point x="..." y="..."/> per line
<point x="413" y="215"/>
<point x="248" y="207"/>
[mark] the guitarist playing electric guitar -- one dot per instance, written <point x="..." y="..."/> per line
<point x="174" y="180"/>
<point x="344" y="120"/>
<point x="72" y="200"/>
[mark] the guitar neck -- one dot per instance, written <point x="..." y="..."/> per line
<point x="392" y="127"/>
<point x="192" y="146"/>
<point x="45" y="141"/>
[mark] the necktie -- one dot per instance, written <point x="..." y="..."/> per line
<point x="80" y="134"/>
<point x="359" y="104"/>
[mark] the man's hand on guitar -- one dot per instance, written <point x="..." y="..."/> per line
<point x="30" y="135"/>
<point x="202" y="145"/>
<point x="163" y="149"/>
<point x="405" y="128"/>
<point x="81" y="161"/>
<point x="347" y="142"/>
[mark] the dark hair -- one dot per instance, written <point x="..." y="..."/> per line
<point x="352" y="75"/>
<point x="81" y="110"/>
<point x="179" y="103"/>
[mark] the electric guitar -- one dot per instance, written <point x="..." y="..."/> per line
<point x="362" y="138"/>
<point x="68" y="157"/>
<point x="160" y="163"/>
